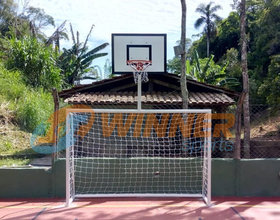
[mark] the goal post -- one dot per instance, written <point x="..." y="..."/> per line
<point x="130" y="153"/>
<point x="70" y="179"/>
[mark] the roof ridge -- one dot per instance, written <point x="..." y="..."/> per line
<point x="199" y="98"/>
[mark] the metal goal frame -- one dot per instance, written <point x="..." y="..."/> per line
<point x="70" y="160"/>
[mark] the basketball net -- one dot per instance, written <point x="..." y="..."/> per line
<point x="139" y="68"/>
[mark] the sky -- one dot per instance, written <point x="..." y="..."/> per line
<point x="124" y="16"/>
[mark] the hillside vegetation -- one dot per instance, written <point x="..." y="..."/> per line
<point x="22" y="108"/>
<point x="29" y="106"/>
<point x="31" y="65"/>
<point x="223" y="65"/>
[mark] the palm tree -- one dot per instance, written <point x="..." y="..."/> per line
<point x="208" y="17"/>
<point x="58" y="34"/>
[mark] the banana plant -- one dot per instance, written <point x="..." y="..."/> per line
<point x="76" y="62"/>
<point x="209" y="72"/>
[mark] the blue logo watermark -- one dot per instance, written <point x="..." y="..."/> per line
<point x="192" y="147"/>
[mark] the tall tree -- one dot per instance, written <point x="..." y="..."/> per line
<point x="38" y="20"/>
<point x="184" y="89"/>
<point x="208" y="17"/>
<point x="7" y="14"/>
<point x="58" y="34"/>
<point x="246" y="111"/>
<point x="30" y="21"/>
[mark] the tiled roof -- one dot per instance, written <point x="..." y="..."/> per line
<point x="195" y="98"/>
<point x="170" y="82"/>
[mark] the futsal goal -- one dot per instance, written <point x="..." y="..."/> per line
<point x="130" y="153"/>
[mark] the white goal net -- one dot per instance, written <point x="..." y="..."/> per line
<point x="113" y="152"/>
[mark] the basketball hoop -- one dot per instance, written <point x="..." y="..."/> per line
<point x="139" y="68"/>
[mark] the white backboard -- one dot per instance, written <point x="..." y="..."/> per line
<point x="150" y="47"/>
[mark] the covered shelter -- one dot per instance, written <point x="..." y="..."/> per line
<point x="162" y="91"/>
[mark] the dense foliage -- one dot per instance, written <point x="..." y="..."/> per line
<point x="36" y="62"/>
<point x="29" y="21"/>
<point x="30" y="106"/>
<point x="270" y="88"/>
<point x="25" y="47"/>
<point x="31" y="63"/>
<point x="263" y="33"/>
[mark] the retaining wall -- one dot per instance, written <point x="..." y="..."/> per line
<point x="257" y="177"/>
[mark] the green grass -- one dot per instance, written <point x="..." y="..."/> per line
<point x="22" y="109"/>
<point x="14" y="141"/>
<point x="12" y="162"/>
<point x="30" y="106"/>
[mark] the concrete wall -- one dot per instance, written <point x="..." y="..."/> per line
<point x="258" y="177"/>
<point x="255" y="177"/>
<point x="25" y="182"/>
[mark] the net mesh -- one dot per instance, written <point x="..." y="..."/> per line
<point x="128" y="153"/>
<point x="139" y="68"/>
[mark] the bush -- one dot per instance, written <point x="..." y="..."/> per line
<point x="12" y="85"/>
<point x="270" y="88"/>
<point x="31" y="106"/>
<point x="36" y="61"/>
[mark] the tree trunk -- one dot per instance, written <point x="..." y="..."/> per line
<point x="238" y="113"/>
<point x="184" y="91"/>
<point x="55" y="124"/>
<point x="247" y="127"/>
<point x="208" y="44"/>
<point x="246" y="111"/>
<point x="208" y="35"/>
<point x="57" y="43"/>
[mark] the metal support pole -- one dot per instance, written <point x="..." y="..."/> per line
<point x="68" y="187"/>
<point x="139" y="92"/>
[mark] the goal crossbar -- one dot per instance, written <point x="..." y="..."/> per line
<point x="72" y="110"/>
